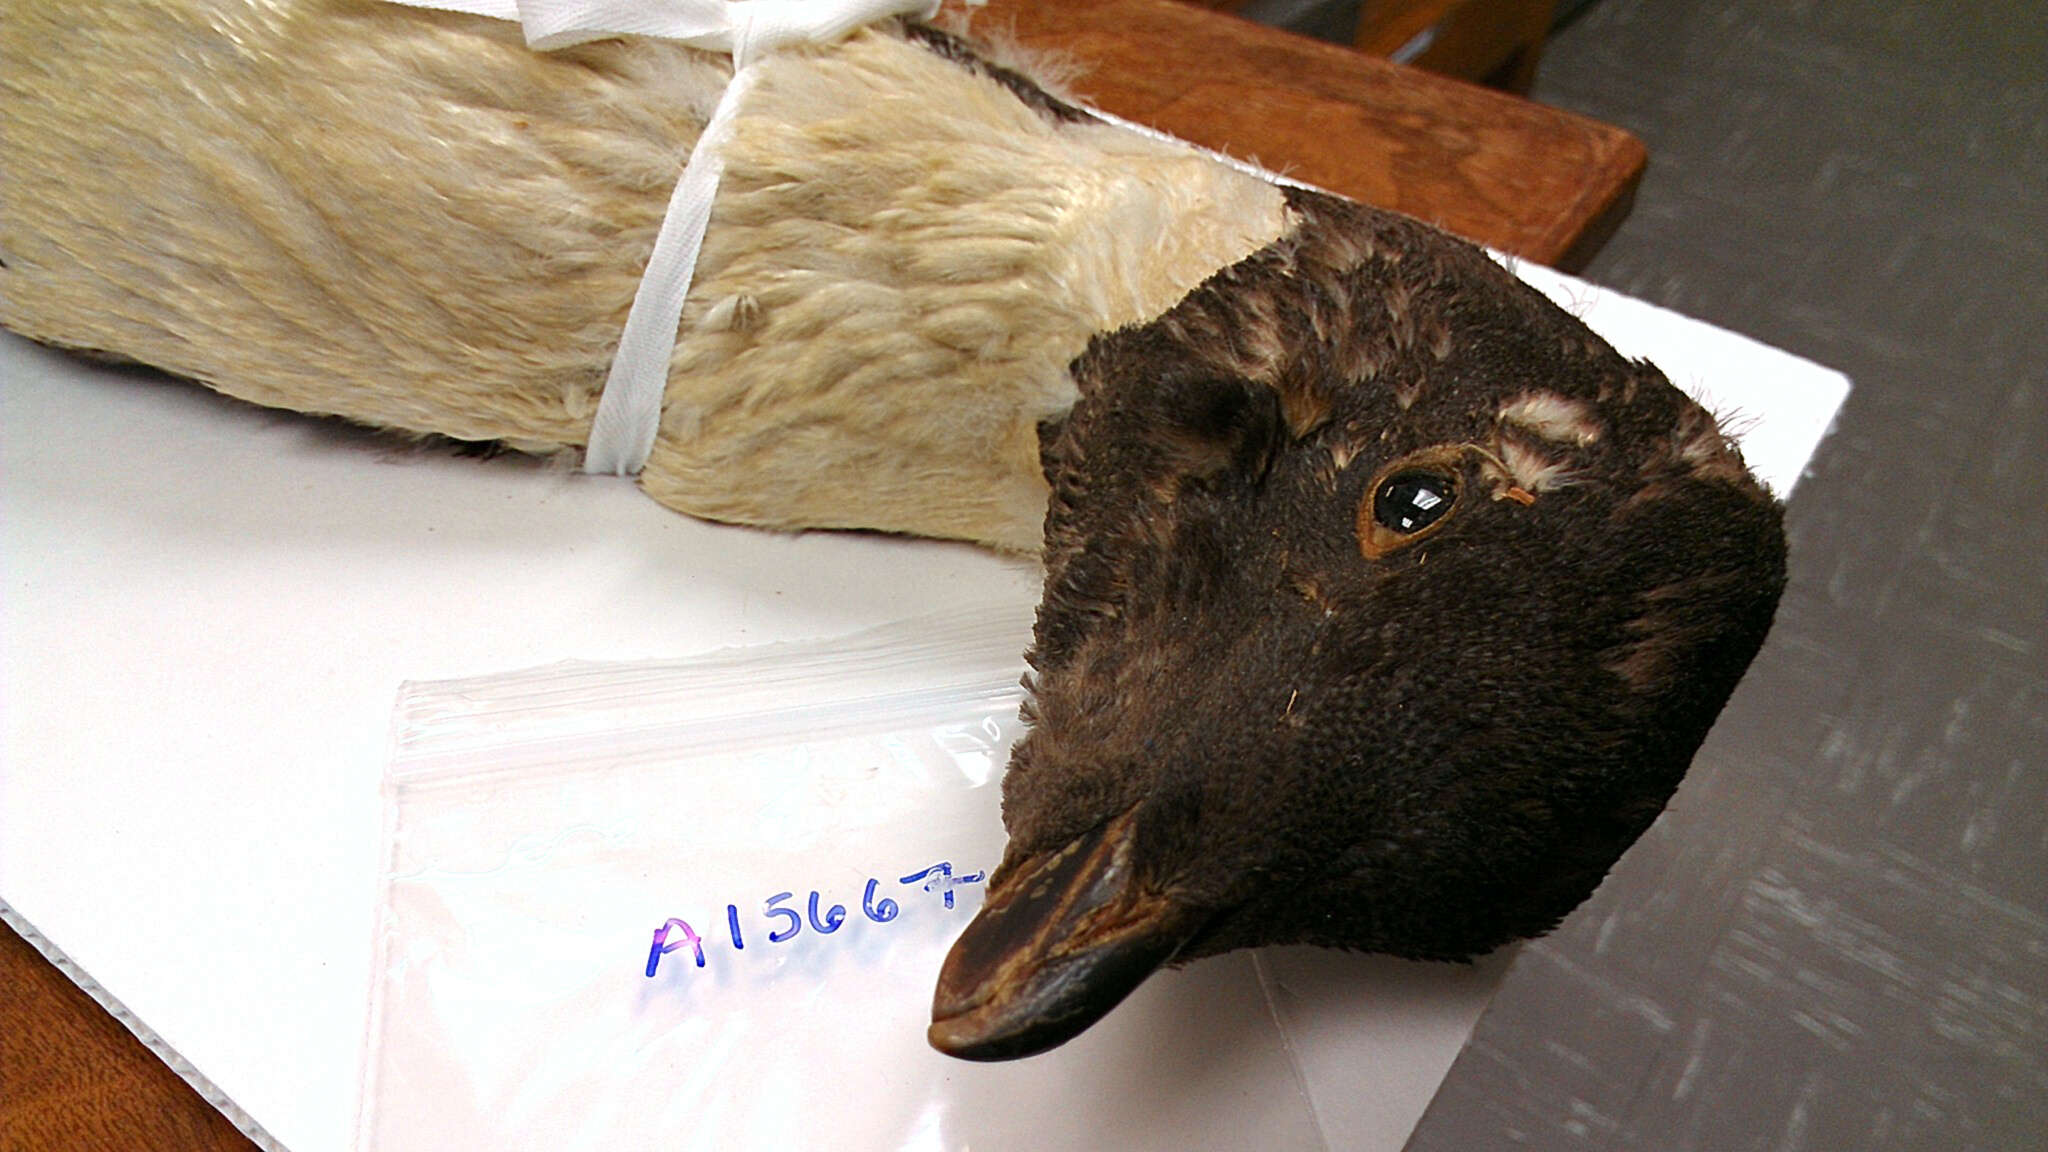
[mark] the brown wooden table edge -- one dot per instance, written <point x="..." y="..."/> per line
<point x="76" y="1072"/>
<point x="1603" y="209"/>
<point x="1613" y="160"/>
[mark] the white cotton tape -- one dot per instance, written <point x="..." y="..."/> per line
<point x="629" y="412"/>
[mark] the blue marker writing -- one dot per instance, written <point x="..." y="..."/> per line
<point x="662" y="947"/>
<point x="823" y="919"/>
<point x="880" y="913"/>
<point x="834" y="916"/>
<point x="796" y="922"/>
<point x="942" y="879"/>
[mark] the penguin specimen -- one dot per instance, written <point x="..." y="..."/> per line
<point x="1385" y="604"/>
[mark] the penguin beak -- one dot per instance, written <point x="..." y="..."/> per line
<point x="1063" y="938"/>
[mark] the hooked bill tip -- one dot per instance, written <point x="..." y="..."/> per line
<point x="1061" y="940"/>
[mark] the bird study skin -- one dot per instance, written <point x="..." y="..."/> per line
<point x="1385" y="604"/>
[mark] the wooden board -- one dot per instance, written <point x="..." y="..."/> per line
<point x="1492" y="42"/>
<point x="1495" y="42"/>
<point x="72" y="1078"/>
<point x="1534" y="181"/>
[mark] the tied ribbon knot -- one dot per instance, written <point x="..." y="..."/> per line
<point x="629" y="411"/>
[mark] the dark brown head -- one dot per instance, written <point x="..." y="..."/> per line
<point x="1385" y="606"/>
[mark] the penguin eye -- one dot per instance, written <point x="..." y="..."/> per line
<point x="1408" y="502"/>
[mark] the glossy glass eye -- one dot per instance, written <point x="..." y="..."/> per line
<point x="1408" y="502"/>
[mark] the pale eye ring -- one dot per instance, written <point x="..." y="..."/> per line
<point x="1409" y="501"/>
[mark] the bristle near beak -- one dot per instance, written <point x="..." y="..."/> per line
<point x="1064" y="938"/>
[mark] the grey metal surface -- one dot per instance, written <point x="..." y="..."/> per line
<point x="1838" y="936"/>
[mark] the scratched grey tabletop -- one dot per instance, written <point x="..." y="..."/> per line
<point x="1838" y="938"/>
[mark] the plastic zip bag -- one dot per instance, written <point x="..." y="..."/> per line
<point x="704" y="902"/>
